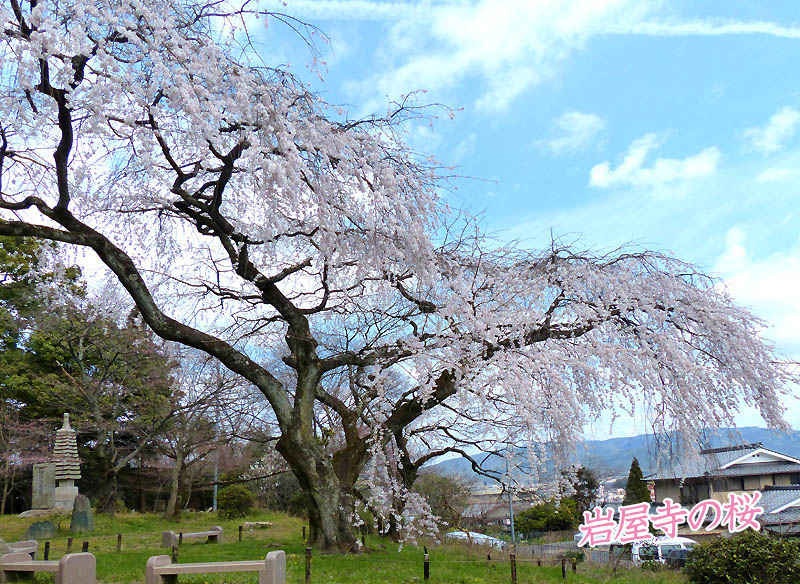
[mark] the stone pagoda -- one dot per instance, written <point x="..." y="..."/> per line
<point x="54" y="481"/>
<point x="67" y="466"/>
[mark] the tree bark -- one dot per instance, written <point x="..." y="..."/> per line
<point x="171" y="510"/>
<point x="8" y="485"/>
<point x="331" y="504"/>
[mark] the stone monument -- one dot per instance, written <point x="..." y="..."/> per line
<point x="82" y="516"/>
<point x="68" y="467"/>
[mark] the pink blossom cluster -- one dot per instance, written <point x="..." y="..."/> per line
<point x="740" y="512"/>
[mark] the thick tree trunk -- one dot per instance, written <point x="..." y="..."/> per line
<point x="171" y="510"/>
<point x="6" y="489"/>
<point x="331" y="504"/>
<point x="107" y="503"/>
<point x="9" y="474"/>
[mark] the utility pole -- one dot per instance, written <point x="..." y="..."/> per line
<point x="511" y="506"/>
<point x="216" y="449"/>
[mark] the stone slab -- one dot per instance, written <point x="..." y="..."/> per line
<point x="41" y="530"/>
<point x="82" y="516"/>
<point x="35" y="513"/>
<point x="44" y="486"/>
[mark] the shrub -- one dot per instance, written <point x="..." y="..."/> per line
<point x="234" y="501"/>
<point x="298" y="505"/>
<point x="748" y="557"/>
<point x="578" y="556"/>
<point x="548" y="517"/>
<point x="652" y="566"/>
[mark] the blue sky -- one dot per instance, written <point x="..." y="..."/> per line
<point x="670" y="125"/>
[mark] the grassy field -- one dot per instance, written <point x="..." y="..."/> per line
<point x="381" y="561"/>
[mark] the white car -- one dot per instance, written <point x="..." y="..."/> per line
<point x="659" y="548"/>
<point x="478" y="538"/>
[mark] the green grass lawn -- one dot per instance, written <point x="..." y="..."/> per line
<point x="381" y="562"/>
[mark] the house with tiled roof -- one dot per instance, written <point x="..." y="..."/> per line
<point x="781" y="509"/>
<point x="717" y="472"/>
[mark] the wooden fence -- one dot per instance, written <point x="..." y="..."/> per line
<point x="555" y="551"/>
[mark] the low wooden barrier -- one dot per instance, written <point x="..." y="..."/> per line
<point x="170" y="538"/>
<point x="271" y="570"/>
<point x="70" y="569"/>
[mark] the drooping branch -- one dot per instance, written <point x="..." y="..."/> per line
<point x="167" y="328"/>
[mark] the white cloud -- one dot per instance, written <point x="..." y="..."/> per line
<point x="767" y="285"/>
<point x="706" y="28"/>
<point x="573" y="131"/>
<point x="633" y="172"/>
<point x="504" y="48"/>
<point x="780" y="128"/>
<point x="465" y="147"/>
<point x="507" y="47"/>
<point x="775" y="175"/>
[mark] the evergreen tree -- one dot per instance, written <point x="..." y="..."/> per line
<point x="636" y="490"/>
<point x="586" y="486"/>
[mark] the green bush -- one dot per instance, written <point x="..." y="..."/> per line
<point x="578" y="556"/>
<point x="748" y="557"/>
<point x="652" y="566"/>
<point x="234" y="501"/>
<point x="548" y="517"/>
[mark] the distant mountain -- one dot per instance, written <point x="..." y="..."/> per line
<point x="613" y="456"/>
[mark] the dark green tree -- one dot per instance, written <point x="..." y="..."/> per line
<point x="636" y="490"/>
<point x="548" y="516"/>
<point x="585" y="485"/>
<point x="29" y="276"/>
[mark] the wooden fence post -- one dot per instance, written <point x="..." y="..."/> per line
<point x="308" y="564"/>
<point x="174" y="554"/>
<point x="46" y="550"/>
<point x="69" y="545"/>
<point x="538" y="563"/>
<point x="426" y="568"/>
<point x="513" y="557"/>
<point x="180" y="538"/>
<point x="304" y="533"/>
<point x="85" y="547"/>
<point x="240" y="533"/>
<point x="574" y="566"/>
<point x="119" y="542"/>
<point x="564" y="568"/>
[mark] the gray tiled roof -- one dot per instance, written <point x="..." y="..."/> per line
<point x="758" y="468"/>
<point x="699" y="465"/>
<point x="774" y="499"/>
<point x="790" y="515"/>
<point x="711" y="463"/>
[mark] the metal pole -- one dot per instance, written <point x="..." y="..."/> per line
<point x="216" y="462"/>
<point x="510" y="506"/>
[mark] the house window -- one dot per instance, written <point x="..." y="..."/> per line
<point x="728" y="484"/>
<point x="751" y="483"/>
<point x="794" y="478"/>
